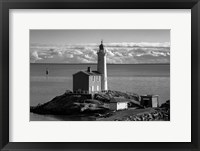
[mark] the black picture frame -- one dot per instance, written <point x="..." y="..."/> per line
<point x="5" y="5"/>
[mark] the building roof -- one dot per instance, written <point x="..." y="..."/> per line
<point x="92" y="73"/>
<point x="118" y="100"/>
<point x="149" y="95"/>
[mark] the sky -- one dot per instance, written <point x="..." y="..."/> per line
<point x="80" y="46"/>
<point x="94" y="36"/>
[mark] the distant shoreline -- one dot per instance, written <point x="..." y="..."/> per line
<point x="96" y="64"/>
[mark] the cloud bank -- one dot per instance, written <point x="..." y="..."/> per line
<point x="119" y="53"/>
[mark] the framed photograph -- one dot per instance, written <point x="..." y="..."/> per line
<point x="91" y="75"/>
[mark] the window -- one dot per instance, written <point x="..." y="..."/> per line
<point x="97" y="88"/>
<point x="92" y="88"/>
<point x="93" y="78"/>
<point x="98" y="78"/>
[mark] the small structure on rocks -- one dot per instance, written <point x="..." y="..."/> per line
<point x="149" y="101"/>
<point x="118" y="103"/>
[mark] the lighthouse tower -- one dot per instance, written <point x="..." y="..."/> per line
<point x="102" y="67"/>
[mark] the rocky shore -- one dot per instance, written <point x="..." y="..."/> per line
<point x="156" y="114"/>
<point x="98" y="106"/>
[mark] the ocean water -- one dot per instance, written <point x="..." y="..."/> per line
<point x="140" y="79"/>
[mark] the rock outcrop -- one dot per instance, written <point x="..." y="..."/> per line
<point x="68" y="104"/>
<point x="98" y="106"/>
<point x="72" y="104"/>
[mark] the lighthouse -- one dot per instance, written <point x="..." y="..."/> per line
<point x="102" y="67"/>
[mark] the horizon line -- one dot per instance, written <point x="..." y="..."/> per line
<point x="107" y="63"/>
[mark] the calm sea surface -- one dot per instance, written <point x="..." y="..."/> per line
<point x="140" y="79"/>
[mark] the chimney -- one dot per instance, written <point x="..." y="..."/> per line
<point x="89" y="69"/>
